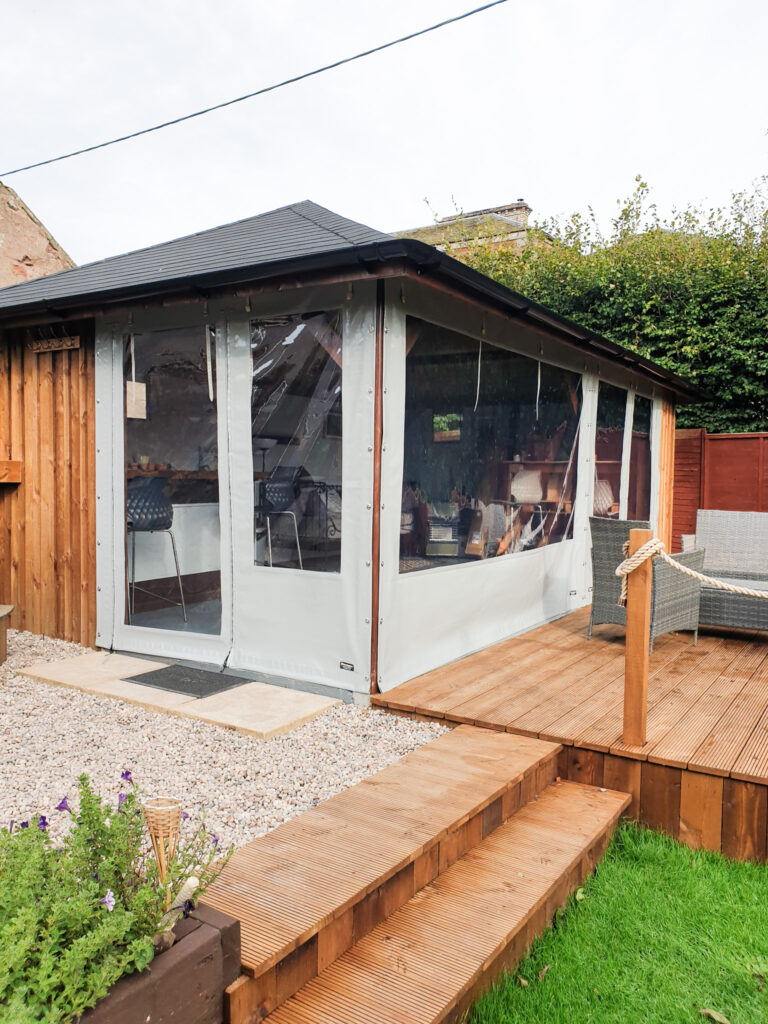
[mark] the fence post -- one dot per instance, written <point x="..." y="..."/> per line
<point x="638" y="639"/>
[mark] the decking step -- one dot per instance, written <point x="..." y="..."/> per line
<point x="433" y="957"/>
<point x="306" y="891"/>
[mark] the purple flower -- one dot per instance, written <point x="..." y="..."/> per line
<point x="126" y="776"/>
<point x="96" y="876"/>
<point x="109" y="900"/>
<point x="63" y="806"/>
<point x="184" y="815"/>
<point x="121" y="798"/>
<point x="214" y="838"/>
<point x="42" y="823"/>
<point x="24" y="824"/>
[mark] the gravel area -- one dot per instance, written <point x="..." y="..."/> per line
<point x="49" y="735"/>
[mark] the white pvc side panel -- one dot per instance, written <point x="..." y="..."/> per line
<point x="433" y="617"/>
<point x="625" y="455"/>
<point x="105" y="485"/>
<point x="655" y="463"/>
<point x="168" y="643"/>
<point x="585" y="496"/>
<point x="289" y="622"/>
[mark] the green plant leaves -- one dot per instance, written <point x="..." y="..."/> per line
<point x="689" y="291"/>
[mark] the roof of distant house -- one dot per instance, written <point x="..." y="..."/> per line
<point x="302" y="237"/>
<point x="507" y="223"/>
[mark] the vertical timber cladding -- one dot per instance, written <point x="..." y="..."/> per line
<point x="666" y="474"/>
<point x="48" y="521"/>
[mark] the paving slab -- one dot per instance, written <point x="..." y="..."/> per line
<point x="150" y="697"/>
<point x="89" y="672"/>
<point x="259" y="709"/>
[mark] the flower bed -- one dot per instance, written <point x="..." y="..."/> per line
<point x="186" y="983"/>
<point x="77" y="917"/>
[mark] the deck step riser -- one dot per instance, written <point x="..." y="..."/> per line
<point x="436" y="955"/>
<point x="250" y="998"/>
<point x="509" y="958"/>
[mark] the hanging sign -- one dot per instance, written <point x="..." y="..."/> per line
<point x="135" y="400"/>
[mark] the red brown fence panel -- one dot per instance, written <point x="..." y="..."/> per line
<point x="725" y="471"/>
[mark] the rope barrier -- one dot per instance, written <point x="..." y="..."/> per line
<point x="655" y="547"/>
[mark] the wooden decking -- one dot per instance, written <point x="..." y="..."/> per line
<point x="702" y="775"/>
<point x="402" y="898"/>
<point x="431" y="959"/>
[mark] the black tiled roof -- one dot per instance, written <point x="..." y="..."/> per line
<point x="302" y="236"/>
<point x="292" y="232"/>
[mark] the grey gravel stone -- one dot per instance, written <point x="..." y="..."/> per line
<point x="244" y="786"/>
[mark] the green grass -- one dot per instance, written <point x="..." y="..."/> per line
<point x="660" y="933"/>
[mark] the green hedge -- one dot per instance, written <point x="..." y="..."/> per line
<point x="689" y="291"/>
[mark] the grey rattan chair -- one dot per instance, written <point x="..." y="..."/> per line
<point x="675" y="597"/>
<point x="736" y="545"/>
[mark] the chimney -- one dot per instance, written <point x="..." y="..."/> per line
<point x="519" y="210"/>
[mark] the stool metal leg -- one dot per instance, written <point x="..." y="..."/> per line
<point x="133" y="575"/>
<point x="284" y="512"/>
<point x="296" y="531"/>
<point x="178" y="574"/>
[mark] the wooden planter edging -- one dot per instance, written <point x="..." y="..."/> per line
<point x="186" y="983"/>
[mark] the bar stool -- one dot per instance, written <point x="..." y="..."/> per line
<point x="148" y="509"/>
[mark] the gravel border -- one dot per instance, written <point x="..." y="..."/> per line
<point x="49" y="735"/>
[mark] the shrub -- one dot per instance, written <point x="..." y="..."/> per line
<point x="74" y="918"/>
<point x="689" y="291"/>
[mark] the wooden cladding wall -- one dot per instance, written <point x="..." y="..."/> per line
<point x="48" y="524"/>
<point x="725" y="471"/>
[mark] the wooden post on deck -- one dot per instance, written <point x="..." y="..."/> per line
<point x="637" y="643"/>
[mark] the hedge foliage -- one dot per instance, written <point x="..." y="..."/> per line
<point x="689" y="291"/>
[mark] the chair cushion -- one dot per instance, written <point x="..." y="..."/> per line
<point x="739" y="581"/>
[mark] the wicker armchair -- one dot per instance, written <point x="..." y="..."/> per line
<point x="736" y="545"/>
<point x="675" y="598"/>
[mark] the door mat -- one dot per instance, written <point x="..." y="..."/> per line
<point x="193" y="682"/>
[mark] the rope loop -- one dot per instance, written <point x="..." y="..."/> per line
<point x="655" y="547"/>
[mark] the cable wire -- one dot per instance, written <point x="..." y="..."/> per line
<point x="258" y="92"/>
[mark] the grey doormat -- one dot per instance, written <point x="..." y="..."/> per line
<point x="194" y="682"/>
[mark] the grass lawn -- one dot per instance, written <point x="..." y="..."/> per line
<point x="659" y="934"/>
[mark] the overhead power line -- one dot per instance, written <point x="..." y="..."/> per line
<point x="257" y="92"/>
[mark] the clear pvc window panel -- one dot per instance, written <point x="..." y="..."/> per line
<point x="639" y="497"/>
<point x="490" y="452"/>
<point x="609" y="447"/>
<point x="172" y="523"/>
<point x="296" y="432"/>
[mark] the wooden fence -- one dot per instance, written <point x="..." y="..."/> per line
<point x="725" y="471"/>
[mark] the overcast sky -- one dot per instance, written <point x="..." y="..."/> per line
<point x="556" y="101"/>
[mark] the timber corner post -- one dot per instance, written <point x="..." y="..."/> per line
<point x="638" y="639"/>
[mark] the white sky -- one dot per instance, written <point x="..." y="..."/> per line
<point x="561" y="103"/>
